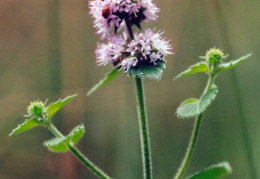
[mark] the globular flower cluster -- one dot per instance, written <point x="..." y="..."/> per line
<point x="111" y="13"/>
<point x="143" y="52"/>
<point x="146" y="47"/>
<point x="36" y="109"/>
<point x="217" y="55"/>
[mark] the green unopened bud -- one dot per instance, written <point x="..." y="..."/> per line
<point x="214" y="55"/>
<point x="36" y="109"/>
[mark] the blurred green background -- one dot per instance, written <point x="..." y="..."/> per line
<point x="47" y="51"/>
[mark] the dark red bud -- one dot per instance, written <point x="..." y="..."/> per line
<point x="105" y="11"/>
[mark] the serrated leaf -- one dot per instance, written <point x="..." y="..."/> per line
<point x="191" y="108"/>
<point x="148" y="70"/>
<point x="54" y="107"/>
<point x="214" y="172"/>
<point x="197" y="68"/>
<point x="231" y="64"/>
<point x="109" y="76"/>
<point x="76" y="134"/>
<point x="28" y="124"/>
<point x="57" y="144"/>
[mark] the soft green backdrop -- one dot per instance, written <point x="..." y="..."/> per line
<point x="47" y="51"/>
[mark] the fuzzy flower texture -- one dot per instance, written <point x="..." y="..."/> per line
<point x="147" y="47"/>
<point x="129" y="51"/>
<point x="111" y="13"/>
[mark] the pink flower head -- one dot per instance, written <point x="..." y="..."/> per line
<point x="111" y="13"/>
<point x="146" y="48"/>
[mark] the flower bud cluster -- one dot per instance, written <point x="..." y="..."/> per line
<point x="122" y="51"/>
<point x="214" y="56"/>
<point x="111" y="13"/>
<point x="36" y="109"/>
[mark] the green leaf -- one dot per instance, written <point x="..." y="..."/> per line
<point x="54" y="107"/>
<point x="28" y="124"/>
<point x="76" y="134"/>
<point x="198" y="67"/>
<point x="109" y="76"/>
<point x="213" y="172"/>
<point x="192" y="107"/>
<point x="57" y="144"/>
<point x="231" y="64"/>
<point x="188" y="101"/>
<point x="148" y="70"/>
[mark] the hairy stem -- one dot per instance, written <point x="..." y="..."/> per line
<point x="144" y="132"/>
<point x="209" y="84"/>
<point x="190" y="148"/>
<point x="194" y="136"/>
<point x="83" y="159"/>
<point x="143" y="124"/>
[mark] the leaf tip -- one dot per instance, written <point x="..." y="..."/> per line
<point x="11" y="133"/>
<point x="227" y="166"/>
<point x="73" y="96"/>
<point x="89" y="93"/>
<point x="175" y="78"/>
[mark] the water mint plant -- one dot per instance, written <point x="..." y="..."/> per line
<point x="139" y="54"/>
<point x="212" y="65"/>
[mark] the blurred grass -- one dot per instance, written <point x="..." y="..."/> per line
<point x="112" y="138"/>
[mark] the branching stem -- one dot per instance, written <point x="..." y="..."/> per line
<point x="194" y="136"/>
<point x="78" y="154"/>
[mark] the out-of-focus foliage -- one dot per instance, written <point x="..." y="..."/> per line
<point x="33" y="67"/>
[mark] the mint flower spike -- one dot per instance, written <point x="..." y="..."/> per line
<point x="111" y="13"/>
<point x="144" y="56"/>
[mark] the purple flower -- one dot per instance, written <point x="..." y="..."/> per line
<point x="147" y="47"/>
<point x="111" y="13"/>
<point x="110" y="52"/>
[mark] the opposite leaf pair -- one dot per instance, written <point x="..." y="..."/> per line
<point x="195" y="107"/>
<point x="40" y="115"/>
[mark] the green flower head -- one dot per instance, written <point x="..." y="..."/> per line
<point x="36" y="109"/>
<point x="214" y="55"/>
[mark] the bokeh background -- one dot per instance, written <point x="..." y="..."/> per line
<point x="47" y="51"/>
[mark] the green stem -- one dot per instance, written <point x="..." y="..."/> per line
<point x="194" y="136"/>
<point x="129" y="28"/>
<point x="144" y="134"/>
<point x="210" y="82"/>
<point x="190" y="148"/>
<point x="143" y="124"/>
<point x="79" y="155"/>
<point x="55" y="131"/>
